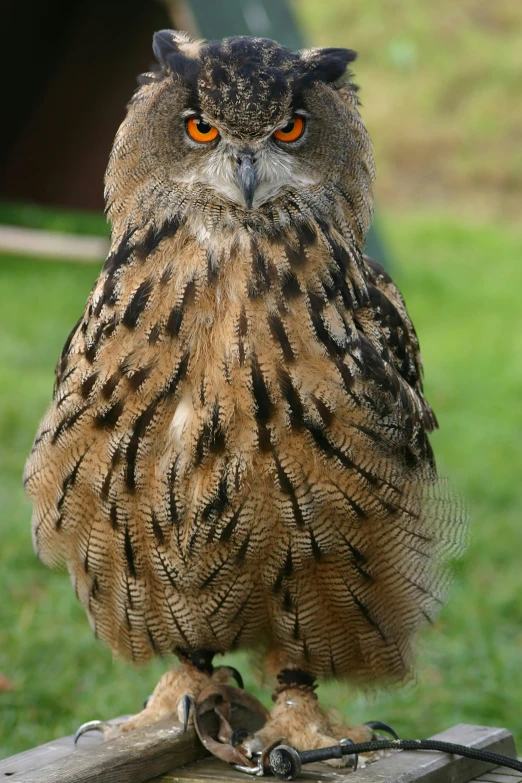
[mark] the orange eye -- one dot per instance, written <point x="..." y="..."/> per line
<point x="292" y="130"/>
<point x="199" y="130"/>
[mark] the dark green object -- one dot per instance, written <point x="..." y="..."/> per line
<point x="261" y="18"/>
<point x="265" y="19"/>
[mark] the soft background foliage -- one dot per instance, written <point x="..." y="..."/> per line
<point x="441" y="93"/>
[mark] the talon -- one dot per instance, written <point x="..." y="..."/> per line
<point x="352" y="760"/>
<point x="91" y="725"/>
<point x="378" y="725"/>
<point x="187" y="704"/>
<point x="236" y="675"/>
<point x="233" y="672"/>
<point x="238" y="736"/>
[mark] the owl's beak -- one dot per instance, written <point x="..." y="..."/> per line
<point x="246" y="177"/>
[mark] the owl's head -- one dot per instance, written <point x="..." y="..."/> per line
<point x="241" y="127"/>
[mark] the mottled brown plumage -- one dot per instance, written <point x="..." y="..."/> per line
<point x="237" y="452"/>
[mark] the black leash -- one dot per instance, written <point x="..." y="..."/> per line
<point x="286" y="762"/>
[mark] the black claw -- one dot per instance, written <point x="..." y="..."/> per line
<point x="379" y="726"/>
<point x="187" y="704"/>
<point x="146" y="702"/>
<point x="238" y="736"/>
<point x="354" y="756"/>
<point x="236" y="675"/>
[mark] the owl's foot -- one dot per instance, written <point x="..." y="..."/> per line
<point x="298" y="720"/>
<point x="173" y="696"/>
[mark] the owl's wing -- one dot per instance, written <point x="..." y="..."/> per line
<point x="386" y="323"/>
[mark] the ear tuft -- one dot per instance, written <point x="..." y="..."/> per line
<point x="325" y="65"/>
<point x="163" y="45"/>
<point x="177" y="52"/>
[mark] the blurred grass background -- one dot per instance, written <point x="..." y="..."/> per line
<point x="440" y="86"/>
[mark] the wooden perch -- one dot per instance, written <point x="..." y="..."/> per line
<point x="135" y="757"/>
<point x="165" y="748"/>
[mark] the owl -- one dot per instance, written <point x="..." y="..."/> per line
<point x="237" y="453"/>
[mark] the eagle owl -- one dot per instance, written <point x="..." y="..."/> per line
<point x="237" y="451"/>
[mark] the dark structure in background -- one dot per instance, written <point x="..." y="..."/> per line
<point x="69" y="69"/>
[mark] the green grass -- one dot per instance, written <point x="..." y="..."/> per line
<point x="53" y="219"/>
<point x="440" y="88"/>
<point x="462" y="285"/>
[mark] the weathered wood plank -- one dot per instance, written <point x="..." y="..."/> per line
<point x="151" y="752"/>
<point x="402" y="767"/>
<point x="500" y="775"/>
<point x="136" y="757"/>
<point x="45" y="754"/>
<point x="431" y="767"/>
<point x="502" y="771"/>
<point x="50" y="244"/>
<point x="213" y="769"/>
<point x="132" y="758"/>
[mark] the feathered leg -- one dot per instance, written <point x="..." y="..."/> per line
<point x="172" y="696"/>
<point x="298" y="719"/>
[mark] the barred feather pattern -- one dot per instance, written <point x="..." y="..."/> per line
<point x="237" y="451"/>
